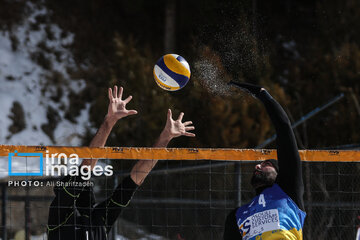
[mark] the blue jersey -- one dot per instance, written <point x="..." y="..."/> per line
<point x="270" y="215"/>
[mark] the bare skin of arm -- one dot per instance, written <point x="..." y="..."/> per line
<point x="116" y="111"/>
<point x="173" y="128"/>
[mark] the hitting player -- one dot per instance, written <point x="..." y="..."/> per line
<point x="277" y="211"/>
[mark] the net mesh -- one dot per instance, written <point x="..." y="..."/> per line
<point x="185" y="199"/>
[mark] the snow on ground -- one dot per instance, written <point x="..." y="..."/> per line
<point x="22" y="80"/>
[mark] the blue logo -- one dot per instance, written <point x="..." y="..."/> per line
<point x="15" y="153"/>
<point x="162" y="77"/>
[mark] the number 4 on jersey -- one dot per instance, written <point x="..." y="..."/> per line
<point x="262" y="200"/>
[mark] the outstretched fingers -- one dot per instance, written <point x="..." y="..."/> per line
<point x="189" y="128"/>
<point x="128" y="99"/>
<point x="110" y="94"/>
<point x="115" y="91"/>
<point x="120" y="92"/>
<point x="189" y="134"/>
<point x="180" y="116"/>
<point x="169" y="115"/>
<point x="132" y="112"/>
<point x="187" y="123"/>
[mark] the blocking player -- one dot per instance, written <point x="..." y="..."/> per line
<point x="73" y="213"/>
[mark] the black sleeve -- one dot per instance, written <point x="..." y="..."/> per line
<point x="290" y="171"/>
<point x="108" y="211"/>
<point x="62" y="207"/>
<point x="231" y="230"/>
<point x="86" y="201"/>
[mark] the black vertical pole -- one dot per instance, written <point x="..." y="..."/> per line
<point x="170" y="26"/>
<point x="3" y="211"/>
<point x="27" y="215"/>
<point x="238" y="183"/>
<point x="115" y="228"/>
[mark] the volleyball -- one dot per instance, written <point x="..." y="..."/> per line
<point x="171" y="72"/>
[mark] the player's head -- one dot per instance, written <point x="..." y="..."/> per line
<point x="265" y="173"/>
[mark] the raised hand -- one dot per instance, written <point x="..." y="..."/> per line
<point x="117" y="106"/>
<point x="175" y="128"/>
<point x="116" y="110"/>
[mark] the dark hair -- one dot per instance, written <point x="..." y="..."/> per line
<point x="274" y="162"/>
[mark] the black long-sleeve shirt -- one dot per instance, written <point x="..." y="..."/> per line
<point x="289" y="177"/>
<point x="74" y="215"/>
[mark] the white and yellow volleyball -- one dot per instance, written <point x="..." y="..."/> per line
<point x="171" y="72"/>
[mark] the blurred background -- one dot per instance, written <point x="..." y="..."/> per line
<point x="57" y="59"/>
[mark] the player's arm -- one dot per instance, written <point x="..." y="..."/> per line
<point x="290" y="170"/>
<point x="116" y="111"/>
<point x="123" y="193"/>
<point x="173" y="128"/>
<point x="231" y="230"/>
<point x="62" y="206"/>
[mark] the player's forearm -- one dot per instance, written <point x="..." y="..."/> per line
<point x="143" y="167"/>
<point x="275" y="111"/>
<point x="163" y="139"/>
<point x="100" y="138"/>
<point x="103" y="133"/>
<point x="286" y="141"/>
<point x="287" y="150"/>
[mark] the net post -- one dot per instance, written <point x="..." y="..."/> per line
<point x="114" y="229"/>
<point x="3" y="210"/>
<point x="27" y="214"/>
<point x="238" y="183"/>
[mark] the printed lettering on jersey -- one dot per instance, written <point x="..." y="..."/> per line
<point x="271" y="213"/>
<point x="260" y="222"/>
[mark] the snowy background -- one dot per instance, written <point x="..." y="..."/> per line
<point x="26" y="90"/>
<point x="33" y="104"/>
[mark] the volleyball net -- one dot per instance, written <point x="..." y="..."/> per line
<point x="186" y="196"/>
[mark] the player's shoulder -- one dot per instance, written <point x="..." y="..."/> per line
<point x="243" y="208"/>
